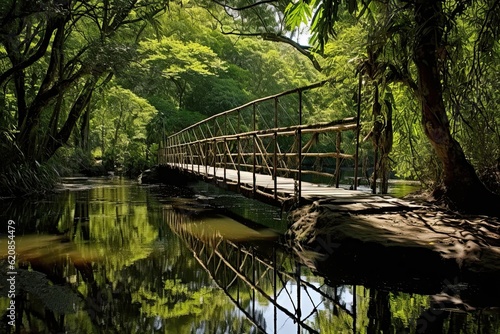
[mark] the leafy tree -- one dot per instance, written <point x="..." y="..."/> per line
<point x="179" y="61"/>
<point x="53" y="56"/>
<point x="418" y="33"/>
<point x="119" y="128"/>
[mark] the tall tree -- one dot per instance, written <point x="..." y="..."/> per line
<point x="54" y="54"/>
<point x="425" y="36"/>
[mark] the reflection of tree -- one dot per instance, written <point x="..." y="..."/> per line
<point x="378" y="312"/>
<point x="36" y="215"/>
<point x="127" y="278"/>
<point x="81" y="217"/>
<point x="132" y="274"/>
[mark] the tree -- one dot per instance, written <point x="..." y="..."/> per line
<point x="119" y="125"/>
<point x="53" y="56"/>
<point x="178" y="61"/>
<point x="424" y="39"/>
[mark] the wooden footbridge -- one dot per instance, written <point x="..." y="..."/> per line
<point x="263" y="150"/>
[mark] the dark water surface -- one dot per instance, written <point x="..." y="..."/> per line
<point x="111" y="256"/>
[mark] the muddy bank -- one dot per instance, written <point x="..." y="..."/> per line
<point x="420" y="246"/>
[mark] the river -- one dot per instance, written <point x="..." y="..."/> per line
<point x="112" y="256"/>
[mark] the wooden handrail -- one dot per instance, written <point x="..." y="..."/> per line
<point x="222" y="142"/>
<point x="270" y="97"/>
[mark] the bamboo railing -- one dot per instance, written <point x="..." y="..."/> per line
<point x="266" y="136"/>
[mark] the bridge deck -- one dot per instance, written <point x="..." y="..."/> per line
<point x="342" y="199"/>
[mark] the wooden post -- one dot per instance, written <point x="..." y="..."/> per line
<point x="375" y="161"/>
<point x="179" y="153"/>
<point x="354" y="309"/>
<point x="337" y="163"/>
<point x="275" y="155"/>
<point x="191" y="148"/>
<point x="170" y="152"/>
<point x="239" y="161"/>
<point x="207" y="150"/>
<point x="239" y="150"/>
<point x="253" y="281"/>
<point x="215" y="160"/>
<point x="275" y="294"/>
<point x="175" y="154"/>
<point x="225" y="159"/>
<point x="299" y="149"/>
<point x="298" y="311"/>
<point x="200" y="156"/>
<point x="254" y="150"/>
<point x="167" y="150"/>
<point x="356" y="163"/>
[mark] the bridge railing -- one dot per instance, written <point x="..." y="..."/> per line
<point x="266" y="136"/>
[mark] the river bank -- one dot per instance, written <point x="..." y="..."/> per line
<point x="414" y="244"/>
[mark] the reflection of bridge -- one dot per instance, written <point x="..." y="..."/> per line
<point x="264" y="283"/>
<point x="264" y="150"/>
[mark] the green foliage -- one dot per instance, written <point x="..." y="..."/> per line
<point x="119" y="127"/>
<point x="220" y="95"/>
<point x="182" y="64"/>
<point x="297" y="13"/>
<point x="176" y="59"/>
<point x="413" y="156"/>
<point x="406" y="309"/>
<point x="378" y="42"/>
<point x="27" y="179"/>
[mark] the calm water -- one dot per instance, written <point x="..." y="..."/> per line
<point x="117" y="257"/>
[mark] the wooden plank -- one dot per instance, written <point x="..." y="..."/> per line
<point x="339" y="199"/>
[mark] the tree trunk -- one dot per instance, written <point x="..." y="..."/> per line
<point x="376" y="134"/>
<point x="461" y="186"/>
<point x="386" y="140"/>
<point x="84" y="132"/>
<point x="76" y="110"/>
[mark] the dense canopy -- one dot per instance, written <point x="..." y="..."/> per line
<point x="89" y="85"/>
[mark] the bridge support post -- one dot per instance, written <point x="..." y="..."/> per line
<point x="254" y="163"/>
<point x="225" y="159"/>
<point x="275" y="292"/>
<point x="239" y="161"/>
<point x="298" y="311"/>
<point x="337" y="162"/>
<point x="206" y="158"/>
<point x="253" y="281"/>
<point x="299" y="151"/>
<point x="254" y="148"/>
<point x="275" y="153"/>
<point x="215" y="160"/>
<point x="356" y="163"/>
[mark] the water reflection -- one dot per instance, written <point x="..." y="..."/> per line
<point x="112" y="257"/>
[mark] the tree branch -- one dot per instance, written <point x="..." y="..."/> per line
<point x="40" y="52"/>
<point x="258" y="3"/>
<point x="301" y="48"/>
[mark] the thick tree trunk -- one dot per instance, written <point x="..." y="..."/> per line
<point x="461" y="186"/>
